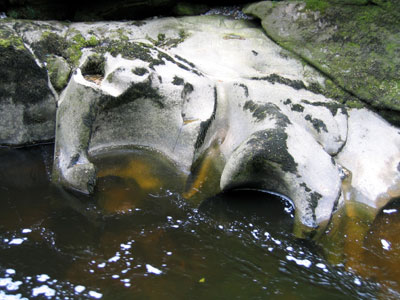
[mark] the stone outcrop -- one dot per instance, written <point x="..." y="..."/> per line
<point x="356" y="46"/>
<point x="27" y="104"/>
<point x="213" y="95"/>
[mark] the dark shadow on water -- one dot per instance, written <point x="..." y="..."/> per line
<point x="259" y="207"/>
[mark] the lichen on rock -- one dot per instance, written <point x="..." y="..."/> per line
<point x="27" y="105"/>
<point x="357" y="46"/>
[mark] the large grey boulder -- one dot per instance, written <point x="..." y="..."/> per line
<point x="223" y="102"/>
<point x="27" y="104"/>
<point x="357" y="46"/>
<point x="211" y="94"/>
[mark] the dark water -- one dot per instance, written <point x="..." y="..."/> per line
<point x="137" y="238"/>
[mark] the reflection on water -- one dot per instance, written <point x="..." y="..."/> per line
<point x="382" y="247"/>
<point x="138" y="238"/>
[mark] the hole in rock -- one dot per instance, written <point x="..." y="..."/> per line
<point x="93" y="68"/>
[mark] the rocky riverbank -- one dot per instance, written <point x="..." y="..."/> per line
<point x="214" y="95"/>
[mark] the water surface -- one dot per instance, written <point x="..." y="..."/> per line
<point x="138" y="238"/>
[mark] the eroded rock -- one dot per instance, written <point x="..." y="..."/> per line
<point x="222" y="95"/>
<point x="222" y="101"/>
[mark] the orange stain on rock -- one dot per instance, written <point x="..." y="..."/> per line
<point x="140" y="171"/>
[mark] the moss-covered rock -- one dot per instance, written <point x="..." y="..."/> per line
<point x="27" y="106"/>
<point x="69" y="47"/>
<point x="50" y="43"/>
<point x="59" y="72"/>
<point x="357" y="46"/>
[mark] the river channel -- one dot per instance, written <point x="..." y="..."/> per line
<point x="138" y="238"/>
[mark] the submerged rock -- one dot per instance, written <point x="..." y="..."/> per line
<point x="357" y="46"/>
<point x="218" y="98"/>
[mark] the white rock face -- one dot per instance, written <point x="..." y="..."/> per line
<point x="216" y="91"/>
<point x="372" y="155"/>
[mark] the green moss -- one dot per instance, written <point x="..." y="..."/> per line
<point x="92" y="42"/>
<point x="128" y="50"/>
<point x="320" y="5"/>
<point x="50" y="43"/>
<point x="355" y="104"/>
<point x="391" y="6"/>
<point x="357" y="50"/>
<point x="13" y="41"/>
<point x="54" y="44"/>
<point x="5" y="43"/>
<point x="59" y="72"/>
<point x="166" y="42"/>
<point x="368" y="15"/>
<point x="9" y="38"/>
<point x="121" y="35"/>
<point x="78" y="42"/>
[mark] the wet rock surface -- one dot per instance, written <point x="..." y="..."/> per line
<point x="225" y="104"/>
<point x="355" y="44"/>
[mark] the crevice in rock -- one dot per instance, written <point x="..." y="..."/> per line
<point x="204" y="126"/>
